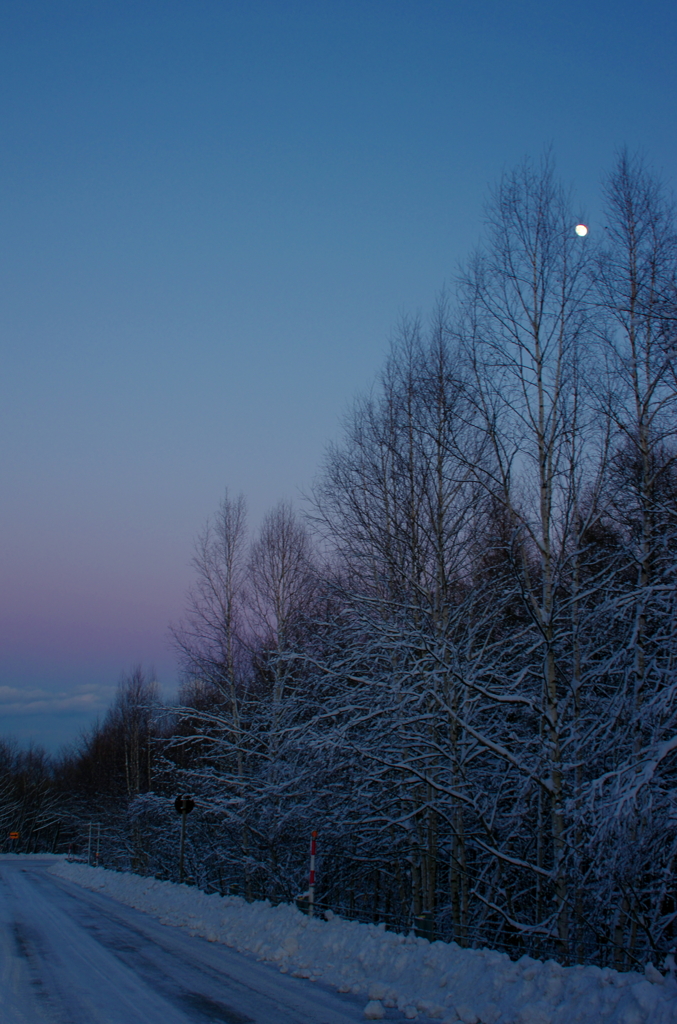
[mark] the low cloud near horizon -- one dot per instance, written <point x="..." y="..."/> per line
<point x="90" y="699"/>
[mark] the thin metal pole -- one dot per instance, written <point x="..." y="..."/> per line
<point x="311" y="883"/>
<point x="89" y="845"/>
<point x="183" y="839"/>
<point x="98" y="843"/>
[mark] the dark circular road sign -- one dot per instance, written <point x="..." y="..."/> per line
<point x="184" y="804"/>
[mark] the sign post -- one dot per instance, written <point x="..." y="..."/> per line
<point x="184" y="805"/>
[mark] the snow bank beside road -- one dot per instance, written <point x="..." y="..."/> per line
<point x="439" y="980"/>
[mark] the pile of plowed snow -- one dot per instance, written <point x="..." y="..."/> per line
<point x="438" y="980"/>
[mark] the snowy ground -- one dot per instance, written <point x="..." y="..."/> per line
<point x="439" y="980"/>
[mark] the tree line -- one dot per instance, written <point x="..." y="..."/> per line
<point x="459" y="664"/>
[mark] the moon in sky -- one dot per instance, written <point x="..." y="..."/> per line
<point x="581" y="230"/>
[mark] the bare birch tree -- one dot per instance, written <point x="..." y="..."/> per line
<point x="212" y="648"/>
<point x="525" y="318"/>
<point x="636" y="275"/>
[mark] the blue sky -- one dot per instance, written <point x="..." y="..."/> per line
<point x="212" y="214"/>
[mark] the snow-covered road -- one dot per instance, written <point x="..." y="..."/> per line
<point x="70" y="956"/>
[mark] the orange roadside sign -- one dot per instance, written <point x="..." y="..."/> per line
<point x="14" y="835"/>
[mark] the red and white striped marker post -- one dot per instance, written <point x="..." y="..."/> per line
<point x="311" y="883"/>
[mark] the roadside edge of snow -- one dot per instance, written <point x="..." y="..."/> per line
<point x="440" y="980"/>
